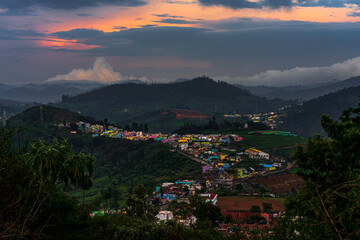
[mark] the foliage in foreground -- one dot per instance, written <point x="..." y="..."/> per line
<point x="33" y="205"/>
<point x="329" y="206"/>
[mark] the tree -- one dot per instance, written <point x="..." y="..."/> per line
<point x="86" y="184"/>
<point x="32" y="204"/>
<point x="73" y="126"/>
<point x="56" y="163"/>
<point x="161" y="192"/>
<point x="255" y="209"/>
<point x="328" y="206"/>
<point x="140" y="192"/>
<point x="255" y="219"/>
<point x="137" y="206"/>
<point x="205" y="211"/>
<point x="145" y="129"/>
<point x="267" y="207"/>
<point x="186" y="189"/>
<point x="115" y="195"/>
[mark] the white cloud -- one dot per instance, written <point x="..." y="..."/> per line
<point x="301" y="75"/>
<point x="102" y="71"/>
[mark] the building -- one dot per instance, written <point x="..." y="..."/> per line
<point x="165" y="215"/>
<point x="168" y="196"/>
<point x="210" y="197"/>
<point x="254" y="153"/>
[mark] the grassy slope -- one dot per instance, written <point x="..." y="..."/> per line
<point x="127" y="162"/>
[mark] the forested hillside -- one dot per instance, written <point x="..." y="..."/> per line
<point x="127" y="162"/>
<point x="302" y="92"/>
<point x="126" y="102"/>
<point x="305" y="119"/>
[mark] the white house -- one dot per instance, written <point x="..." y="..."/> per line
<point x="165" y="215"/>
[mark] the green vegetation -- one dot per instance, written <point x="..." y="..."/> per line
<point x="328" y="206"/>
<point x="276" y="145"/>
<point x="130" y="163"/>
<point x="265" y="142"/>
<point x="36" y="177"/>
<point x="304" y="119"/>
<point x="127" y="162"/>
<point x="33" y="205"/>
<point x="224" y="126"/>
<point x="125" y="103"/>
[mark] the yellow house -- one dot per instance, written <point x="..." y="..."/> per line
<point x="239" y="173"/>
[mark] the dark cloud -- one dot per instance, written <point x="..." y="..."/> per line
<point x="353" y="14"/>
<point x="277" y="3"/>
<point x="119" y="28"/>
<point x="83" y="15"/>
<point x="179" y="2"/>
<point x="233" y="47"/>
<point x="323" y="3"/>
<point x="82" y="33"/>
<point x="231" y="3"/>
<point x="237" y="4"/>
<point x="278" y="45"/>
<point x="10" y="34"/>
<point x="23" y="7"/>
<point x="177" y="21"/>
<point x="148" y="25"/>
<point x="166" y="15"/>
<point x="247" y="24"/>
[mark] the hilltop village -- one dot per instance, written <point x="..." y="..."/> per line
<point x="211" y="150"/>
<point x="222" y="168"/>
<point x="271" y="119"/>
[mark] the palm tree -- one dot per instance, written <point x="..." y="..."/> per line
<point x="56" y="163"/>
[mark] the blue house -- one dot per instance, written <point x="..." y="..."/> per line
<point x="168" y="196"/>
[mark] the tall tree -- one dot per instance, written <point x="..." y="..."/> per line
<point x="328" y="207"/>
<point x="56" y="163"/>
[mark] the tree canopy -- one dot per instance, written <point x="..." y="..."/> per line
<point x="328" y="207"/>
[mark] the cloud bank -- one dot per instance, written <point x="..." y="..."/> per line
<point x="102" y="71"/>
<point x="24" y="7"/>
<point x="301" y="75"/>
<point x="238" y="4"/>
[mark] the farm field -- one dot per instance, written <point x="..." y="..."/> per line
<point x="271" y="141"/>
<point x="280" y="183"/>
<point x="267" y="142"/>
<point x="245" y="203"/>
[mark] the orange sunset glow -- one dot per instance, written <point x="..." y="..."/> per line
<point x="142" y="35"/>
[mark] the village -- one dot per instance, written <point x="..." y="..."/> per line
<point x="220" y="171"/>
<point x="271" y="119"/>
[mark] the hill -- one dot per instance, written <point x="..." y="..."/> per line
<point x="128" y="162"/>
<point x="302" y="92"/>
<point x="47" y="92"/>
<point x="47" y="115"/>
<point x="305" y="119"/>
<point x="12" y="108"/>
<point x="125" y="102"/>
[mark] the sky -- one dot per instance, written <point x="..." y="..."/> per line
<point x="251" y="42"/>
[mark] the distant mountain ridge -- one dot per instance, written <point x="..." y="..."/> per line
<point x="305" y="119"/>
<point x="51" y="91"/>
<point x="122" y="102"/>
<point x="302" y="92"/>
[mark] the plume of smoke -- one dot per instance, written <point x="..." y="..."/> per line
<point x="301" y="75"/>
